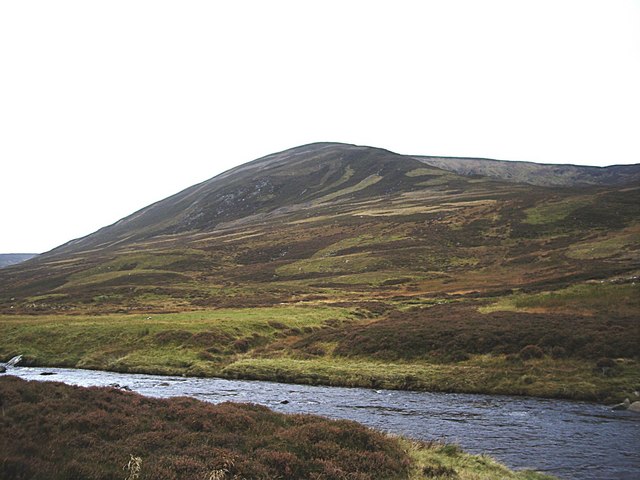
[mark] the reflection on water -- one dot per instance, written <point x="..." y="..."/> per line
<point x="573" y="440"/>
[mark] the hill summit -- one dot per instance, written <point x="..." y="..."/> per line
<point x="364" y="220"/>
<point x="348" y="265"/>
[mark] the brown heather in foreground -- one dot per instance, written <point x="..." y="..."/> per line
<point x="55" y="431"/>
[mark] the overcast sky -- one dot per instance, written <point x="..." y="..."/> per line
<point x="106" y="107"/>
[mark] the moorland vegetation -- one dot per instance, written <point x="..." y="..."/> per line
<point x="347" y="265"/>
<point x="54" y="431"/>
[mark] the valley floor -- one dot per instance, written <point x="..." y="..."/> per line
<point x="324" y="345"/>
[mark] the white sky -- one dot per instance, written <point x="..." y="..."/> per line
<point x="106" y="107"/>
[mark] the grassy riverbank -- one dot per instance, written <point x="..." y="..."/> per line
<point x="58" y="432"/>
<point x="414" y="349"/>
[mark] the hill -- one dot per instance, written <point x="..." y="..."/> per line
<point x="334" y="263"/>
<point x="7" y="259"/>
<point x="538" y="174"/>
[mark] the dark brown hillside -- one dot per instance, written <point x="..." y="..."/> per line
<point x="291" y="180"/>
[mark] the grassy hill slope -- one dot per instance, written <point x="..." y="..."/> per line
<point x="331" y="263"/>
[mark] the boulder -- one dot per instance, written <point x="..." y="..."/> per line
<point x="622" y="406"/>
<point x="14" y="361"/>
<point x="634" y="407"/>
<point x="2" y="369"/>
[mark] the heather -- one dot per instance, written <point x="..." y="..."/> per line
<point x="53" y="431"/>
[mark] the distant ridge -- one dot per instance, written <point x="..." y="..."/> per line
<point x="7" y="259"/>
<point x="545" y="175"/>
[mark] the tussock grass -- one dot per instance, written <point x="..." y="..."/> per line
<point x="624" y="243"/>
<point x="444" y="347"/>
<point x="443" y="461"/>
<point x="552" y="211"/>
<point x="421" y="172"/>
<point x="195" y="342"/>
<point x="594" y="297"/>
<point x="367" y="182"/>
<point x="546" y="377"/>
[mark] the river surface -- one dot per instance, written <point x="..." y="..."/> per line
<point x="572" y="440"/>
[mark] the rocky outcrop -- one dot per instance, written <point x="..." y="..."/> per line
<point x="15" y="361"/>
<point x="622" y="406"/>
<point x="627" y="405"/>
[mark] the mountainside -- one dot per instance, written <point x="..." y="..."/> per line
<point x="344" y="253"/>
<point x="363" y="218"/>
<point x="538" y="174"/>
<point x="302" y="178"/>
<point x="7" y="259"/>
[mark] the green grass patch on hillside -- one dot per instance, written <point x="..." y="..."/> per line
<point x="552" y="211"/>
<point x="438" y="180"/>
<point x="361" y="185"/>
<point x="359" y="241"/>
<point x="148" y="260"/>
<point x="355" y="263"/>
<point x="124" y="277"/>
<point x="422" y="172"/>
<point x="348" y="173"/>
<point x="608" y="246"/>
<point x="603" y="297"/>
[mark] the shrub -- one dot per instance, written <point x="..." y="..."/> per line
<point x="439" y="471"/>
<point x="605" y="365"/>
<point x="513" y="358"/>
<point x="241" y="345"/>
<point x="172" y="336"/>
<point x="531" y="351"/>
<point x="207" y="356"/>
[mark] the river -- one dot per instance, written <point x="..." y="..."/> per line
<point x="572" y="440"/>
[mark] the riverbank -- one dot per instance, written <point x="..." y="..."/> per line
<point x="489" y="375"/>
<point x="520" y="432"/>
<point x="95" y="432"/>
<point x="300" y="344"/>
